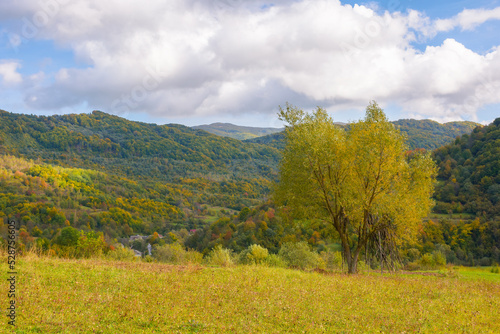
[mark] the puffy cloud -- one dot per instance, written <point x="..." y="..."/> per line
<point x="187" y="57"/>
<point x="8" y="73"/>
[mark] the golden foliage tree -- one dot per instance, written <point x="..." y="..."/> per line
<point x="360" y="180"/>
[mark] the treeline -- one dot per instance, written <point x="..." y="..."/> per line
<point x="424" y="134"/>
<point x="472" y="242"/>
<point x="463" y="242"/>
<point x="259" y="225"/>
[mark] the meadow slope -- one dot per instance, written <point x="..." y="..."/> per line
<point x="100" y="296"/>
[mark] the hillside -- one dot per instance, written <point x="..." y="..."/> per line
<point x="109" y="143"/>
<point x="236" y="131"/>
<point x="45" y="198"/>
<point x="469" y="173"/>
<point x="104" y="173"/>
<point x="276" y="140"/>
<point x="425" y="134"/>
<point x="429" y="134"/>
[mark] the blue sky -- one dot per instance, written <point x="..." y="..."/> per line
<point x="194" y="62"/>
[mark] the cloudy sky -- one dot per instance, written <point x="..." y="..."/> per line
<point x="195" y="62"/>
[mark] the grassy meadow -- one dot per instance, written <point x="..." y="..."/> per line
<point x="102" y="296"/>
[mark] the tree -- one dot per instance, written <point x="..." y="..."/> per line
<point x="360" y="180"/>
<point x="69" y="237"/>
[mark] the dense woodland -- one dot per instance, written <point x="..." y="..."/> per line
<point x="100" y="178"/>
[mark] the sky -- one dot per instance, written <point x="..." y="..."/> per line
<point x="237" y="61"/>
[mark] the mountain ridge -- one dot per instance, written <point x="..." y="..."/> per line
<point x="237" y="131"/>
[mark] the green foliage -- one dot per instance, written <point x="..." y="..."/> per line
<point x="254" y="254"/>
<point x="90" y="244"/>
<point x="135" y="178"/>
<point x="439" y="259"/>
<point x="299" y="255"/>
<point x="219" y="256"/>
<point x="69" y="237"/>
<point x="469" y="174"/>
<point x="244" y="214"/>
<point x="428" y="261"/>
<point x="274" y="260"/>
<point x="121" y="254"/>
<point x="332" y="260"/>
<point x="176" y="254"/>
<point x="466" y="242"/>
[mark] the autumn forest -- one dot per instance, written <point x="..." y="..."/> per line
<point x="87" y="183"/>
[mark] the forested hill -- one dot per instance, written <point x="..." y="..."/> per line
<point x="236" y="131"/>
<point x="111" y="143"/>
<point x="469" y="173"/>
<point x="425" y="134"/>
<point x="430" y="134"/>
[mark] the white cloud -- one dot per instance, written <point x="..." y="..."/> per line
<point x="468" y="19"/>
<point x="187" y="57"/>
<point x="8" y="73"/>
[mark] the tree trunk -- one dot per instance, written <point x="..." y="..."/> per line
<point x="351" y="258"/>
<point x="353" y="265"/>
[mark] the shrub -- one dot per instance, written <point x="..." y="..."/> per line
<point x="274" y="260"/>
<point x="176" y="254"/>
<point x="485" y="262"/>
<point x="148" y="259"/>
<point x="254" y="254"/>
<point x="432" y="261"/>
<point x="193" y="256"/>
<point x="362" y="266"/>
<point x="69" y="236"/>
<point x="90" y="244"/>
<point x="438" y="258"/>
<point x="121" y="254"/>
<point x="333" y="260"/>
<point x="220" y="257"/>
<point x="426" y="261"/>
<point x="413" y="254"/>
<point x="170" y="253"/>
<point x="298" y="255"/>
<point x="412" y="266"/>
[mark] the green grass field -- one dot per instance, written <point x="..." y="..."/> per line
<point x="100" y="296"/>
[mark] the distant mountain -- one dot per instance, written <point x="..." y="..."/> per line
<point x="425" y="134"/>
<point x="211" y="169"/>
<point x="103" y="140"/>
<point x="236" y="131"/>
<point x="469" y="173"/>
<point x="430" y="134"/>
